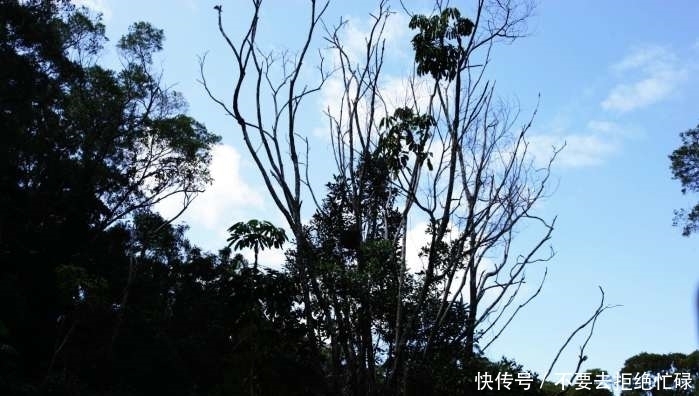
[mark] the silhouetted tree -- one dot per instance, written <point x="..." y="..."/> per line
<point x="86" y="153"/>
<point x="685" y="168"/>
<point x="256" y="235"/>
<point x="450" y="156"/>
<point x="650" y="374"/>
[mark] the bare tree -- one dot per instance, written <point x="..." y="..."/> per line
<point x="582" y="357"/>
<point x="271" y="137"/>
<point x="456" y="158"/>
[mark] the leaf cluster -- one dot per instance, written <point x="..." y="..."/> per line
<point x="684" y="163"/>
<point x="438" y="44"/>
<point x="406" y="133"/>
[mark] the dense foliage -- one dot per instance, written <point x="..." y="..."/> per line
<point x="661" y="374"/>
<point x="685" y="168"/>
<point x="86" y="153"/>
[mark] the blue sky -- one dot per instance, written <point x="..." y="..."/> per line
<point x="618" y="83"/>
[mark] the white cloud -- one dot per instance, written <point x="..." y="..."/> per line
<point x="627" y="97"/>
<point x="586" y="144"/>
<point x="611" y="129"/>
<point x="228" y="193"/>
<point x="357" y="31"/>
<point x="224" y="202"/>
<point x="191" y="5"/>
<point x="603" y="126"/>
<point x="393" y="90"/>
<point x="657" y="73"/>
<point x="270" y="258"/>
<point x="648" y="56"/>
<point x="100" y="6"/>
<point x="581" y="150"/>
<point x="416" y="238"/>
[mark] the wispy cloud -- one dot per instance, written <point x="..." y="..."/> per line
<point x="223" y="202"/>
<point x="594" y="144"/>
<point x="647" y="75"/>
<point x="358" y="30"/>
<point x="613" y="130"/>
<point x="191" y="5"/>
<point x="581" y="150"/>
<point x="100" y="6"/>
<point x="655" y="72"/>
<point x="417" y="238"/>
<point x="394" y="90"/>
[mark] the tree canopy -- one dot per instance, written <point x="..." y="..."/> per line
<point x="685" y="168"/>
<point x="86" y="153"/>
<point x="661" y="374"/>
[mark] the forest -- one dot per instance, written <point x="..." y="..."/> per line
<point x="102" y="294"/>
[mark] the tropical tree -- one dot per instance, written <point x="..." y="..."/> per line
<point x="685" y="168"/>
<point x="256" y="235"/>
